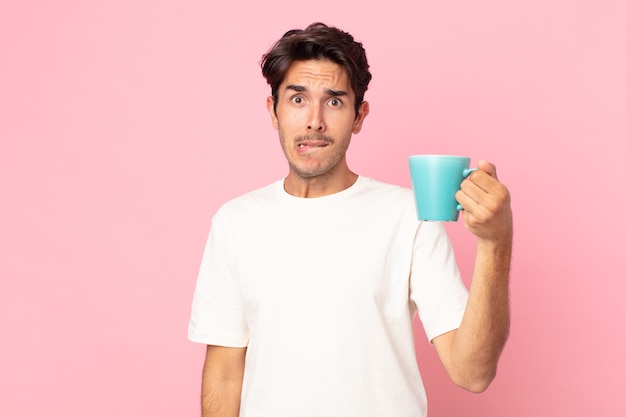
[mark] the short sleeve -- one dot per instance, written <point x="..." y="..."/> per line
<point x="436" y="285"/>
<point x="217" y="313"/>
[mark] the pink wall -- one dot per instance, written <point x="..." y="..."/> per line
<point x="124" y="124"/>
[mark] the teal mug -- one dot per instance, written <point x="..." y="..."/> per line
<point x="435" y="180"/>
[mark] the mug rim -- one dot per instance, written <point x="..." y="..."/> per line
<point x="438" y="156"/>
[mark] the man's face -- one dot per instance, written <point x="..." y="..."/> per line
<point x="315" y="118"/>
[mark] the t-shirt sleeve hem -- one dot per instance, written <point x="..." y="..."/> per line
<point x="443" y="327"/>
<point x="239" y="342"/>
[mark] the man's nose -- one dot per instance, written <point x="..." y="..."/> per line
<point x="316" y="122"/>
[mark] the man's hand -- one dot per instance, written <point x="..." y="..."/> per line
<point x="487" y="205"/>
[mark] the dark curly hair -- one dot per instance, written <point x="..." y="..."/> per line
<point x="318" y="41"/>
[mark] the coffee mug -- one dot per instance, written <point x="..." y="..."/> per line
<point x="435" y="180"/>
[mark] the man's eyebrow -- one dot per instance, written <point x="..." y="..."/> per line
<point x="298" y="88"/>
<point x="335" y="93"/>
<point x="329" y="91"/>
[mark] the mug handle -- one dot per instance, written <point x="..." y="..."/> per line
<point x="466" y="173"/>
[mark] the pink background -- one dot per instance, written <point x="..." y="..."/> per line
<point x="125" y="124"/>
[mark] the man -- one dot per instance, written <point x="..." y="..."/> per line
<point x="308" y="287"/>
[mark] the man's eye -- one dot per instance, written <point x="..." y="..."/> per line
<point x="297" y="99"/>
<point x="334" y="102"/>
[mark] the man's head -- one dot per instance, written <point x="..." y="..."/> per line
<point x="318" y="42"/>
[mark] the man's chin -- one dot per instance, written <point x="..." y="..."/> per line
<point x="307" y="173"/>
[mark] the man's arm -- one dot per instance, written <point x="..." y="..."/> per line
<point x="222" y="379"/>
<point x="470" y="354"/>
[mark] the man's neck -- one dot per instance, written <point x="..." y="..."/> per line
<point x="318" y="186"/>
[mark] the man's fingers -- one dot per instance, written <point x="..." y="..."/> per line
<point x="487" y="167"/>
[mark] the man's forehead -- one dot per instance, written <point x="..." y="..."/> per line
<point x="317" y="74"/>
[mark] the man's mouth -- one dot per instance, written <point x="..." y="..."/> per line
<point x="312" y="145"/>
<point x="306" y="144"/>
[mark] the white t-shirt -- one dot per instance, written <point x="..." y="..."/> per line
<point x="323" y="291"/>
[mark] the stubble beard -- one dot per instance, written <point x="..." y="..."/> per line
<point x="326" y="166"/>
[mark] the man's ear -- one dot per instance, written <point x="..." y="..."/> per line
<point x="364" y="110"/>
<point x="270" y="109"/>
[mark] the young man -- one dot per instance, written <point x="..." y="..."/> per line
<point x="308" y="287"/>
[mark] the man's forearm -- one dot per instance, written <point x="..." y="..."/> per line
<point x="484" y="330"/>
<point x="470" y="353"/>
